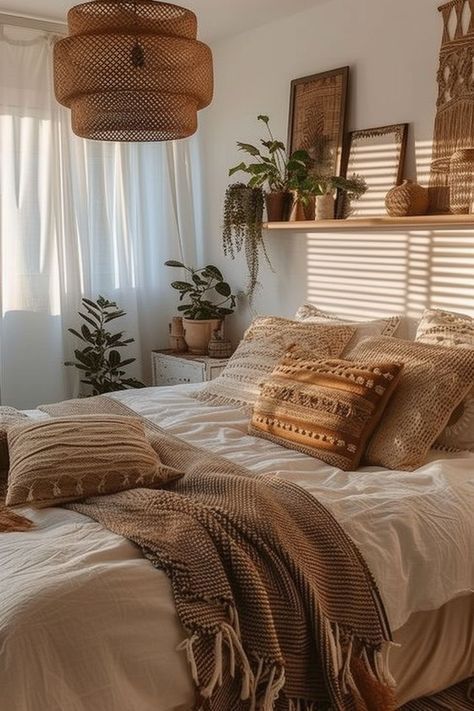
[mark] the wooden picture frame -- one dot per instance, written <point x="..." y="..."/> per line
<point x="317" y="119"/>
<point x="378" y="155"/>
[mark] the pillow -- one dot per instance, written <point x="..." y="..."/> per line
<point x="64" y="459"/>
<point x="325" y="408"/>
<point x="8" y="416"/>
<point x="264" y="343"/>
<point x="378" y="327"/>
<point x="434" y="381"/>
<point x="445" y="328"/>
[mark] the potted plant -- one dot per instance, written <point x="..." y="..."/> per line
<point x="275" y="169"/>
<point x="100" y="361"/>
<point x="202" y="314"/>
<point x="242" y="229"/>
<point x="325" y="187"/>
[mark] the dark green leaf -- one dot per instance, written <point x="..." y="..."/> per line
<point x="237" y="169"/>
<point x="174" y="263"/>
<point x="214" y="272"/>
<point x="223" y="288"/>
<point x="114" y="358"/>
<point x="89" y="320"/>
<point x="75" y="333"/>
<point x="182" y="286"/>
<point x="85" y="332"/>
<point x="248" y="148"/>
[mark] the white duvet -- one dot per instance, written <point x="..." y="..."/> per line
<point x="86" y="624"/>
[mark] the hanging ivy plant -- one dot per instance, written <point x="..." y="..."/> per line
<point x="243" y="219"/>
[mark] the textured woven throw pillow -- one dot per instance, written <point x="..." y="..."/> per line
<point x="445" y="328"/>
<point x="263" y="345"/>
<point x="364" y="329"/>
<point x="435" y="379"/>
<point x="69" y="458"/>
<point x="325" y="408"/>
<point x="9" y="416"/>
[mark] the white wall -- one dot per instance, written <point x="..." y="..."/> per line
<point x="392" y="47"/>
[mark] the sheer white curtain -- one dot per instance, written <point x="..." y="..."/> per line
<point x="79" y="218"/>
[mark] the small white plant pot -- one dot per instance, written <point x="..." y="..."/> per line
<point x="325" y="207"/>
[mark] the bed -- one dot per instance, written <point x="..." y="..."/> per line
<point x="95" y="625"/>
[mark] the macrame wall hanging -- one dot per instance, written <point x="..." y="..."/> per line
<point x="132" y="70"/>
<point x="454" y="125"/>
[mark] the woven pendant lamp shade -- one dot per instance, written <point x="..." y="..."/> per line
<point x="132" y="71"/>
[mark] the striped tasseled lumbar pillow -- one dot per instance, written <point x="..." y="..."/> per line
<point x="325" y="408"/>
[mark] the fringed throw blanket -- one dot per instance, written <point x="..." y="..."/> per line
<point x="281" y="610"/>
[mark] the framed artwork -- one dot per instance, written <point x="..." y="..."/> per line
<point x="378" y="155"/>
<point x="318" y="106"/>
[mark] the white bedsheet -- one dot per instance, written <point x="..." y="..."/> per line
<point x="415" y="530"/>
<point x="86" y="624"/>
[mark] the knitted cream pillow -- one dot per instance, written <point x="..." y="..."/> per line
<point x="325" y="408"/>
<point x="263" y="345"/>
<point x="64" y="459"/>
<point x="9" y="416"/>
<point x="435" y="379"/>
<point x="387" y="326"/>
<point x="445" y="328"/>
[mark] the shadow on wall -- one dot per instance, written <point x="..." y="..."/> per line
<point x="371" y="274"/>
<point x="366" y="276"/>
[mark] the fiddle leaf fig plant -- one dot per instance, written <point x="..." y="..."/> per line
<point x="100" y="360"/>
<point x="202" y="291"/>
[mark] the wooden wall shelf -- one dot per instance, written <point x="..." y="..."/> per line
<point x="394" y="224"/>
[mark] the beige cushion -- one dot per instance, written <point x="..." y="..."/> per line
<point x="70" y="458"/>
<point x="446" y="328"/>
<point x="387" y="326"/>
<point x="263" y="345"/>
<point x="435" y="379"/>
<point x="9" y="416"/>
<point x="325" y="408"/>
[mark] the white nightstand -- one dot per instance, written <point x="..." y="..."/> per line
<point x="169" y="368"/>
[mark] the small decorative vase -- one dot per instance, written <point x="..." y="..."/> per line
<point x="198" y="334"/>
<point x="325" y="207"/>
<point x="177" y="341"/>
<point x="461" y="178"/>
<point x="279" y="205"/>
<point x="407" y="200"/>
<point x="219" y="347"/>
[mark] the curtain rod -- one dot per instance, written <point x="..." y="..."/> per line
<point x="33" y="23"/>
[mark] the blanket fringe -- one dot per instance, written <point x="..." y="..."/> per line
<point x="261" y="688"/>
<point x="374" y="662"/>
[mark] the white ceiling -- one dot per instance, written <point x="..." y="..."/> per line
<point x="217" y="18"/>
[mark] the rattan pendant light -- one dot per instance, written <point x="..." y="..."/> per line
<point x="132" y="71"/>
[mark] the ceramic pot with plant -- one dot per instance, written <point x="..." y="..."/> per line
<point x="209" y="300"/>
<point x="327" y="185"/>
<point x="274" y="169"/>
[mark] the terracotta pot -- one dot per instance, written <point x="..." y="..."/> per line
<point x="197" y="334"/>
<point x="303" y="211"/>
<point x="279" y="205"/>
<point x="325" y="207"/>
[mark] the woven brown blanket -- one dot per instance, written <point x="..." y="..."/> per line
<point x="280" y="608"/>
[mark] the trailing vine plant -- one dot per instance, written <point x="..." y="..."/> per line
<point x="242" y="230"/>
